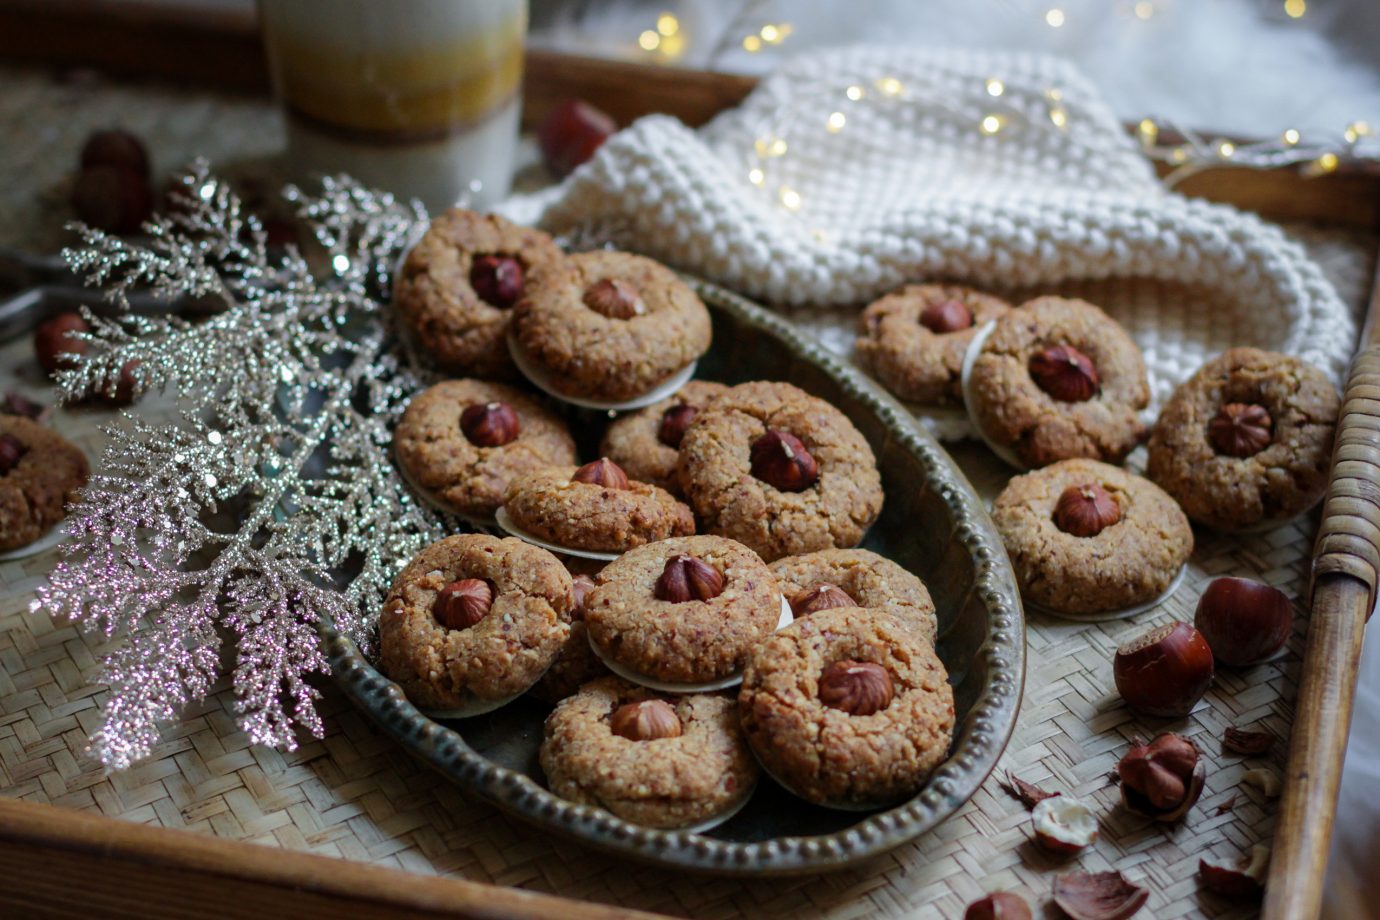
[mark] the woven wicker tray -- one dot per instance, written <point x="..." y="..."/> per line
<point x="356" y="796"/>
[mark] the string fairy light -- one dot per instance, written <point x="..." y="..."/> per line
<point x="666" y="40"/>
<point x="1193" y="154"/>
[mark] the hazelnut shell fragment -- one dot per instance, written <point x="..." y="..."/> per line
<point x="1029" y="793"/>
<point x="646" y="720"/>
<point x="461" y="604"/>
<point x="780" y="460"/>
<point x="858" y="688"/>
<point x="1086" y="510"/>
<point x="1098" y="895"/>
<point x="1063" y="825"/>
<point x="999" y="905"/>
<point x="686" y="578"/>
<point x="1240" y="741"/>
<point x="491" y="424"/>
<point x="1241" y="429"/>
<point x="583" y="584"/>
<point x="602" y="472"/>
<point x="820" y="597"/>
<point x="1065" y="373"/>
<point x="1241" y="879"/>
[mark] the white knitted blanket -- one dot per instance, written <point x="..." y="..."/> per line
<point x="912" y="188"/>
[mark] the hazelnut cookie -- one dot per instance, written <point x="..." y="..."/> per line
<point x="39" y="472"/>
<point x="854" y="578"/>
<point x="1247" y="440"/>
<point x="473" y="621"/>
<point x="609" y="325"/>
<point x="1055" y="379"/>
<point x="461" y="443"/>
<point x="1089" y="538"/>
<point x="780" y="471"/>
<point x="646" y="443"/>
<point x="913" y="340"/>
<point x="658" y="761"/>
<point x="576" y="664"/>
<point x="456" y="287"/>
<point x="848" y="708"/>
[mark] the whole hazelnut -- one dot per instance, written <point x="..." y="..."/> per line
<point x="12" y="450"/>
<point x="858" y="688"/>
<point x="21" y="405"/>
<point x="570" y="133"/>
<point x="780" y="460"/>
<point x="1086" y="510"/>
<point x="946" y="316"/>
<point x="55" y="346"/>
<point x="1164" y="672"/>
<point x="1065" y="373"/>
<point x="999" y="905"/>
<point x="112" y="198"/>
<point x="1244" y="622"/>
<point x="646" y="720"/>
<point x="583" y="584"/>
<point x="1240" y="879"/>
<point x="1161" y="779"/>
<point x="1241" y="429"/>
<point x="820" y="597"/>
<point x="602" y="472"/>
<point x="491" y="424"/>
<point x="123" y="391"/>
<point x="461" y="604"/>
<point x="497" y="279"/>
<point x="115" y="148"/>
<point x="686" y="578"/>
<point x="674" y="422"/>
<point x="1063" y="825"/>
<point x="614" y="298"/>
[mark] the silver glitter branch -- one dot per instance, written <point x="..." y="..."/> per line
<point x="271" y="503"/>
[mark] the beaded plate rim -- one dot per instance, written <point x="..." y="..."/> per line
<point x="980" y="740"/>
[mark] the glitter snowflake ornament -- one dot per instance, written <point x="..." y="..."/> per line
<point x="271" y="504"/>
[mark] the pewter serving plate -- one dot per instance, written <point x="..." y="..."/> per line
<point x="932" y="523"/>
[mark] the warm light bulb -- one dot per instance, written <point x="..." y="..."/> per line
<point x="1179" y="155"/>
<point x="769" y="34"/>
<point x="1060" y="116"/>
<point x="1149" y="131"/>
<point x="1225" y="149"/>
<point x="835" y="123"/>
<point x="752" y="43"/>
<point x="854" y="93"/>
<point x="1291" y="137"/>
<point x="995" y="87"/>
<point x="890" y="86"/>
<point x="1055" y="18"/>
<point x="991" y="124"/>
<point x="1144" y="9"/>
<point x="1327" y="162"/>
<point x="756" y="176"/>
<point x="649" y="40"/>
<point x="667" y="24"/>
<point x="790" y="198"/>
<point x="1295" y="9"/>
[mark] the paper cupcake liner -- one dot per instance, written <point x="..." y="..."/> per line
<point x="1122" y="614"/>
<point x="709" y="824"/>
<point x="505" y="521"/>
<point x="474" y="708"/>
<point x="430" y="498"/>
<point x="965" y="380"/>
<point x="541" y="378"/>
<point x="52" y="538"/>
<point x="835" y="806"/>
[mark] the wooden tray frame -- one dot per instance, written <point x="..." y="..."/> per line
<point x="130" y="869"/>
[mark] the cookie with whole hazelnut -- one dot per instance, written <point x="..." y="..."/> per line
<point x="913" y="340"/>
<point x="1247" y="440"/>
<point x="646" y="443"/>
<point x="1056" y="379"/>
<point x="462" y="442"/>
<point x="848" y="707"/>
<point x="473" y="621"/>
<point x="609" y="325"/>
<point x="683" y="611"/>
<point x="39" y="472"/>
<point x="1087" y="537"/>
<point x="854" y="578"/>
<point x="576" y="665"/>
<point x="652" y="759"/>
<point x="455" y="291"/>
<point x="595" y="507"/>
<point x="779" y="470"/>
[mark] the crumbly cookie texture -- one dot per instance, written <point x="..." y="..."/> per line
<point x="1013" y="411"/>
<point x="1284" y="479"/>
<point x="633" y="441"/>
<point x="597" y="356"/>
<point x="576" y="665"/>
<point x="1128" y="563"/>
<point x="668" y="782"/>
<point x="829" y="756"/>
<point x="467" y="478"/>
<point x="34" y="494"/>
<point x="693" y="641"/>
<point x="909" y="359"/>
<point x="716" y="473"/>
<point x="500" y="656"/>
<point x="869" y="579"/>
<point x="438" y="307"/>
<point x="548" y="504"/>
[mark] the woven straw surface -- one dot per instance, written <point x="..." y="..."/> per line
<point x="356" y="795"/>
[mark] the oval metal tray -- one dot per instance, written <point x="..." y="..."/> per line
<point x="932" y="523"/>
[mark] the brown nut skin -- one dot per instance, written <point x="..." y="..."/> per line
<point x="858" y="688"/>
<point x="602" y="472"/>
<point x="1241" y="879"/>
<point x="1241" y="430"/>
<point x="114" y="147"/>
<point x="12" y="450"/>
<point x="999" y="905"/>
<point x="570" y="134"/>
<point x="1164" y="672"/>
<point x="112" y="198"/>
<point x="490" y="424"/>
<point x="647" y="720"/>
<point x="1065" y="373"/>
<point x="1086" y="511"/>
<point x="1162" y="779"/>
<point x="674" y="422"/>
<point x="820" y="597"/>
<point x="614" y="298"/>
<point x="1245" y="622"/>
<point x="1098" y="895"/>
<point x="685" y="578"/>
<point x="54" y="345"/>
<point x="1242" y="741"/>
<point x="124" y="390"/>
<point x="780" y="460"/>
<point x="497" y="279"/>
<point x="583" y="585"/>
<point x="461" y="604"/>
<point x="19" y="404"/>
<point x="946" y="316"/>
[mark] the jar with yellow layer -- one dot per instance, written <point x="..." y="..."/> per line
<point x="419" y="97"/>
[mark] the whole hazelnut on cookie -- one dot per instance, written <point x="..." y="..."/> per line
<point x="647" y="720"/>
<point x="671" y="431"/>
<point x="602" y="472"/>
<point x="780" y="459"/>
<point x="497" y="279"/>
<point x="820" y="597"/>
<point x="462" y="604"/>
<point x="858" y="688"/>
<point x="1065" y="373"/>
<point x="1086" y="510"/>
<point x="491" y="424"/>
<point x="614" y="298"/>
<point x="946" y="316"/>
<point x="1241" y="429"/>
<point x="686" y="578"/>
<point x="12" y="450"/>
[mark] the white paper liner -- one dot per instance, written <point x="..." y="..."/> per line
<point x="969" y="359"/>
<point x="44" y="543"/>
<point x="709" y="824"/>
<point x="413" y="238"/>
<point x="506" y="522"/>
<point x="836" y="806"/>
<point x="475" y="708"/>
<point x="430" y="498"/>
<point x="947" y="423"/>
<point x="787" y="617"/>
<point x="540" y="377"/>
<point x="1122" y="614"/>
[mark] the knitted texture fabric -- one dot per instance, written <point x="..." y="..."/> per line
<point x="1053" y="196"/>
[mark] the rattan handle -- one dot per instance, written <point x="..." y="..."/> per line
<point x="1349" y="538"/>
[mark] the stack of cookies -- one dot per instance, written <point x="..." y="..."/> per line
<point x="703" y="549"/>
